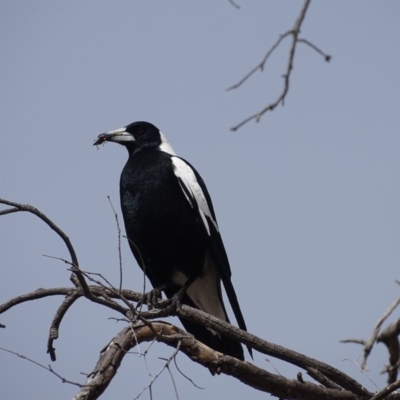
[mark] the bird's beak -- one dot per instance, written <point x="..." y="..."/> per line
<point x="117" y="136"/>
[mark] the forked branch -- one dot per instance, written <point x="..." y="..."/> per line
<point x="389" y="336"/>
<point x="277" y="385"/>
<point x="142" y="327"/>
<point x="294" y="33"/>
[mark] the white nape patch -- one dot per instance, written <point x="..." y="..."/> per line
<point x="204" y="290"/>
<point x="165" y="146"/>
<point x="187" y="176"/>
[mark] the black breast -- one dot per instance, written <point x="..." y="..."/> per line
<point x="163" y="230"/>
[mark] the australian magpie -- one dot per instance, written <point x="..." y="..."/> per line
<point x="172" y="230"/>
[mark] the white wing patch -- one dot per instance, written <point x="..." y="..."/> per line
<point x="204" y="290"/>
<point x="192" y="191"/>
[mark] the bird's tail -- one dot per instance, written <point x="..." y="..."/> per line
<point x="211" y="339"/>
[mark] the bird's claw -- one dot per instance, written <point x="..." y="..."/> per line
<point x="176" y="299"/>
<point x="151" y="298"/>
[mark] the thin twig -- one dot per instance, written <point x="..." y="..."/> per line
<point x="327" y="57"/>
<point x="112" y="289"/>
<point x="135" y="314"/>
<point x="386" y="391"/>
<point x="55" y="324"/>
<point x="294" y="32"/>
<point x="185" y="376"/>
<point x="356" y="341"/>
<point x="88" y="294"/>
<point x="377" y="328"/>
<point x="369" y="344"/>
<point x="144" y="354"/>
<point x="59" y="259"/>
<point x="362" y="371"/>
<point x="143" y="266"/>
<point x="41" y="293"/>
<point x="234" y="4"/>
<point x="261" y="65"/>
<point x="173" y="381"/>
<point x="390" y="338"/>
<point x="48" y="368"/>
<point x="168" y="361"/>
<point x="9" y="211"/>
<point x="280" y="100"/>
<point x="60" y="233"/>
<point x="321" y="378"/>
<point x="37" y="294"/>
<point x="273" y="366"/>
<point x="119" y="242"/>
<point x="49" y="222"/>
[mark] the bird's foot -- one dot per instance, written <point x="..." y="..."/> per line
<point x="176" y="299"/>
<point x="151" y="298"/>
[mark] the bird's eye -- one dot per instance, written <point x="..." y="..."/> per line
<point x="140" y="131"/>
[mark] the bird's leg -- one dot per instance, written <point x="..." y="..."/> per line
<point x="177" y="298"/>
<point x="151" y="297"/>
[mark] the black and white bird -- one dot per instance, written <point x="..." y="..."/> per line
<point x="172" y="230"/>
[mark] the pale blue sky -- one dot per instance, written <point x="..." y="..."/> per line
<point x="307" y="200"/>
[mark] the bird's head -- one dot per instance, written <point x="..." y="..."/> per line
<point x="136" y="135"/>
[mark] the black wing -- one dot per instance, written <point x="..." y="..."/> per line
<point x="197" y="195"/>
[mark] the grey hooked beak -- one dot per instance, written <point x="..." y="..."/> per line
<point x="117" y="136"/>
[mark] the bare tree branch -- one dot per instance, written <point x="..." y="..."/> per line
<point x="209" y="321"/>
<point x="37" y="294"/>
<point x="41" y="293"/>
<point x="72" y="295"/>
<point x="389" y="337"/>
<point x="337" y="385"/>
<point x="294" y="33"/>
<point x="166" y="365"/>
<point x="119" y="242"/>
<point x="234" y="4"/>
<point x="322" y="379"/>
<point x="55" y="228"/>
<point x="261" y="65"/>
<point x="327" y="57"/>
<point x="55" y="324"/>
<point x="185" y="376"/>
<point x="272" y="349"/>
<point x="48" y="368"/>
<point x="111" y="358"/>
<point x="9" y="211"/>
<point x="356" y="341"/>
<point x="383" y="394"/>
